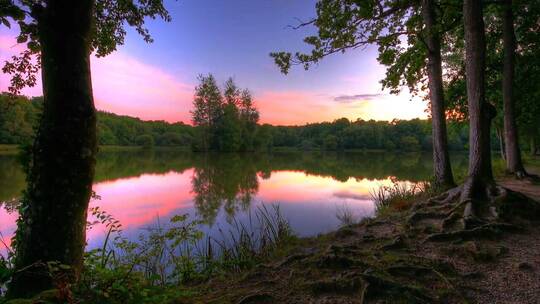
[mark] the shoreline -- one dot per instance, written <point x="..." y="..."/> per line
<point x="385" y="259"/>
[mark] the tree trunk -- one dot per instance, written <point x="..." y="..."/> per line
<point x="60" y="175"/>
<point x="514" y="164"/>
<point x="441" y="158"/>
<point x="480" y="112"/>
<point x="500" y="136"/>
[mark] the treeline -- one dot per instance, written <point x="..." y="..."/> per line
<point x="343" y="134"/>
<point x="20" y="115"/>
<point x="237" y="129"/>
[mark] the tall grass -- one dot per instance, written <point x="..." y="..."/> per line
<point x="345" y="215"/>
<point x="400" y="196"/>
<point x="182" y="253"/>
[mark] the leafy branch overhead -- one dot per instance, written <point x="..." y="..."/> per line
<point x="109" y="31"/>
<point x="394" y="26"/>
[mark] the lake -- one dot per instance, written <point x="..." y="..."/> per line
<point x="141" y="188"/>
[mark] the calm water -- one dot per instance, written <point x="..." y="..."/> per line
<point x="141" y="188"/>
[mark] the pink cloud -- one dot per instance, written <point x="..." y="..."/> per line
<point x="124" y="85"/>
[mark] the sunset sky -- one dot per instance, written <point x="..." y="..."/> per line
<point x="233" y="38"/>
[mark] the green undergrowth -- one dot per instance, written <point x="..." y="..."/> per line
<point x="166" y="260"/>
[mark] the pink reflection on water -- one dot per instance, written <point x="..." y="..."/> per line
<point x="138" y="201"/>
<point x="308" y="201"/>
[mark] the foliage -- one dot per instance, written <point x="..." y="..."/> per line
<point x="400" y="196"/>
<point x="527" y="68"/>
<point x="110" y="19"/>
<point x="160" y="265"/>
<point x="145" y="140"/>
<point x="225" y="122"/>
<point x="20" y="115"/>
<point x="236" y="129"/>
<point x="342" y="134"/>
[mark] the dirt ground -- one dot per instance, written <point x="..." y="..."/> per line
<point x="388" y="260"/>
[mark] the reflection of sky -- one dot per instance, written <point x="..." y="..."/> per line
<point x="309" y="202"/>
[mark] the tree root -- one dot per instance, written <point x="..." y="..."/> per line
<point x="381" y="286"/>
<point x="487" y="231"/>
<point x="475" y="210"/>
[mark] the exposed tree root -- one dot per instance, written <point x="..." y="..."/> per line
<point x="487" y="231"/>
<point x="475" y="210"/>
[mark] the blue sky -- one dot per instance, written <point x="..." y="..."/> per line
<point x="234" y="38"/>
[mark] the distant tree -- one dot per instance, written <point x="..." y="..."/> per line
<point x="231" y="93"/>
<point x="249" y="117"/>
<point x="60" y="35"/>
<point x="225" y="122"/>
<point x="208" y="109"/>
<point x="263" y="140"/>
<point x="228" y="130"/>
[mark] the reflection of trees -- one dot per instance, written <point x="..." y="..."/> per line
<point x="228" y="180"/>
<point x="12" y="180"/>
<point x="122" y="164"/>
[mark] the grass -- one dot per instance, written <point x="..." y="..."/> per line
<point x="346" y="216"/>
<point x="400" y="196"/>
<point x="168" y="258"/>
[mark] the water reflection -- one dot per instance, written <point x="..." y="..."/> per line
<point x="138" y="187"/>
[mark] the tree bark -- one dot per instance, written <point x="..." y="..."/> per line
<point x="514" y="163"/>
<point x="481" y="113"/>
<point x="441" y="158"/>
<point x="500" y="136"/>
<point x="60" y="175"/>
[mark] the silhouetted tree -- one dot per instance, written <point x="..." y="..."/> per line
<point x="60" y="35"/>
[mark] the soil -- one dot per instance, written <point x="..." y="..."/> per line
<point x="388" y="260"/>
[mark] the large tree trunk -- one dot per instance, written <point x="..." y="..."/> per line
<point x="480" y="112"/>
<point x="500" y="136"/>
<point x="514" y="164"/>
<point x="441" y="158"/>
<point x="63" y="158"/>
